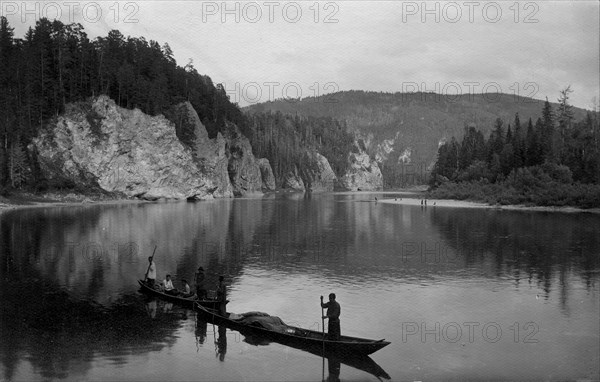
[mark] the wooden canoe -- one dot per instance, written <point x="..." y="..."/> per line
<point x="292" y="336"/>
<point x="185" y="302"/>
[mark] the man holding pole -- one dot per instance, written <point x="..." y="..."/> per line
<point x="333" y="314"/>
<point x="151" y="272"/>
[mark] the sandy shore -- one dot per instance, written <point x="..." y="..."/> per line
<point x="431" y="203"/>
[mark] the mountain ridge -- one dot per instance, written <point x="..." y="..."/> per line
<point x="402" y="128"/>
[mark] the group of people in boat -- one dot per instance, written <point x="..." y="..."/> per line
<point x="333" y="307"/>
<point x="199" y="280"/>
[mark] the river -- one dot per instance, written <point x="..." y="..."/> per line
<point x="461" y="293"/>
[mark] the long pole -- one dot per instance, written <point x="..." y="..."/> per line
<point x="323" y="334"/>
<point x="150" y="263"/>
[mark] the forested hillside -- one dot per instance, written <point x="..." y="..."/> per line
<point x="401" y="128"/>
<point x="285" y="140"/>
<point x="554" y="161"/>
<point x="55" y="64"/>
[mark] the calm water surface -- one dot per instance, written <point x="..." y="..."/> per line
<point x="461" y="293"/>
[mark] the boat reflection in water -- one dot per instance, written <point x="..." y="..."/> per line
<point x="200" y="331"/>
<point x="334" y="359"/>
<point x="221" y="343"/>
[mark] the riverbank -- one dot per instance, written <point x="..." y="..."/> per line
<point x="410" y="197"/>
<point x="443" y="203"/>
<point x="18" y="200"/>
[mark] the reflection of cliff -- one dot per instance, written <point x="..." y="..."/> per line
<point x="531" y="247"/>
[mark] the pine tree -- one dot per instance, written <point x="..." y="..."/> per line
<point x="496" y="140"/>
<point x="547" y="133"/>
<point x="564" y="118"/>
<point x="17" y="165"/>
<point x="520" y="148"/>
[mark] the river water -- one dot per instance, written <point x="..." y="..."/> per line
<point x="461" y="293"/>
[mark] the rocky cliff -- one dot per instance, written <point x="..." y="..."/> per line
<point x="293" y="181"/>
<point x="317" y="174"/>
<point x="99" y="143"/>
<point x="363" y="173"/>
<point x="266" y="172"/>
<point x="244" y="171"/>
<point x="211" y="155"/>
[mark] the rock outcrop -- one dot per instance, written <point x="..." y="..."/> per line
<point x="97" y="143"/>
<point x="317" y="174"/>
<point x="210" y="155"/>
<point x="122" y="150"/>
<point x="266" y="172"/>
<point x="363" y="173"/>
<point x="244" y="171"/>
<point x="293" y="181"/>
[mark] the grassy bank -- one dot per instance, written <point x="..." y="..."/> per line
<point x="512" y="193"/>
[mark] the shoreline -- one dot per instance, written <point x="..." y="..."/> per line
<point x="454" y="203"/>
<point x="28" y="201"/>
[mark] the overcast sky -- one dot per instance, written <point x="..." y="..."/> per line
<point x="272" y="49"/>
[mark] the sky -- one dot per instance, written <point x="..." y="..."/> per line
<point x="267" y="50"/>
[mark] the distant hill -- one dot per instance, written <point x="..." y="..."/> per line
<point x="400" y="128"/>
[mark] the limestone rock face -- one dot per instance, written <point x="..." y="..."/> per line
<point x="268" y="179"/>
<point x="293" y="181"/>
<point x="244" y="171"/>
<point x="363" y="173"/>
<point x="210" y="155"/>
<point x="317" y="174"/>
<point x="123" y="150"/>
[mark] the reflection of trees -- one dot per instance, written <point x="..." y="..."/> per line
<point x="61" y="335"/>
<point x="540" y="248"/>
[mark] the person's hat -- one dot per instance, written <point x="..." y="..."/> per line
<point x="200" y="268"/>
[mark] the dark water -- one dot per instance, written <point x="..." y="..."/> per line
<point x="460" y="293"/>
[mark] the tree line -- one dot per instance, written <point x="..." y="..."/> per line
<point x="555" y="150"/>
<point x="56" y="64"/>
<point x="285" y="139"/>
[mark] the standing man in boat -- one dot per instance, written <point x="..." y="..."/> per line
<point x="151" y="273"/>
<point x="199" y="281"/>
<point x="222" y="295"/>
<point x="333" y="314"/>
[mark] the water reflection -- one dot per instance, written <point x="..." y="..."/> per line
<point x="69" y="275"/>
<point x="221" y="343"/>
<point x="525" y="247"/>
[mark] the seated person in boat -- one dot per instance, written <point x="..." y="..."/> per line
<point x="333" y="315"/>
<point x="168" y="286"/>
<point x="186" y="291"/>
